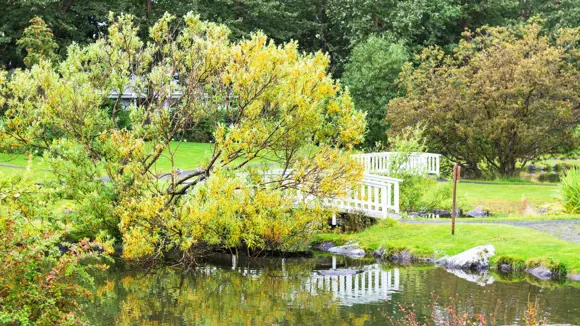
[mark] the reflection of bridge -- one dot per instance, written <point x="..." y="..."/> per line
<point x="372" y="285"/>
<point x="369" y="284"/>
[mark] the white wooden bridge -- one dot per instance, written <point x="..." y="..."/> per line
<point x="377" y="194"/>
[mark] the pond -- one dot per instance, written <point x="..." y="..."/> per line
<point x="226" y="290"/>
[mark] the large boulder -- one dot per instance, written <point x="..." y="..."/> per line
<point x="476" y="259"/>
<point x="478" y="212"/>
<point x="349" y="250"/>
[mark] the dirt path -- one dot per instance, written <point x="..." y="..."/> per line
<point x="568" y="230"/>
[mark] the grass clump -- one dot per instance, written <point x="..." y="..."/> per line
<point x="570" y="191"/>
<point x="555" y="266"/>
<point x="514" y="263"/>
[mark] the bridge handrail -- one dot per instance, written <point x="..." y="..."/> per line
<point x="416" y="162"/>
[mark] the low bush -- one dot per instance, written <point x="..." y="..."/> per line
<point x="558" y="268"/>
<point x="514" y="263"/>
<point x="43" y="280"/>
<point x="423" y="194"/>
<point x="549" y="177"/>
<point x="355" y="222"/>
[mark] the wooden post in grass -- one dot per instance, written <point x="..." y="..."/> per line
<point x="456" y="176"/>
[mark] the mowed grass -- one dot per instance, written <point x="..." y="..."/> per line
<point x="507" y="198"/>
<point x="39" y="168"/>
<point x="436" y="240"/>
<point x="186" y="156"/>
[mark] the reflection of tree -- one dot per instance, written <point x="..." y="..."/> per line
<point x="213" y="297"/>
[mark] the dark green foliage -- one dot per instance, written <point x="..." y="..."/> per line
<point x="332" y="26"/>
<point x="371" y="74"/>
<point x="355" y="222"/>
<point x="515" y="264"/>
<point x="549" y="177"/>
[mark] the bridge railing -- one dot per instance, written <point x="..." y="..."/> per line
<point x="384" y="162"/>
<point x="375" y="196"/>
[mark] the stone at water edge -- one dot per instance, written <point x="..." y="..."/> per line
<point x="540" y="272"/>
<point x="350" y="250"/>
<point x="478" y="212"/>
<point x="325" y="246"/>
<point x="380" y="253"/>
<point x="473" y="259"/>
<point x="574" y="277"/>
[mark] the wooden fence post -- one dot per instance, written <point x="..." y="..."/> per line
<point x="456" y="176"/>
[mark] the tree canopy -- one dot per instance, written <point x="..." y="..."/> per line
<point x="371" y="75"/>
<point x="504" y="97"/>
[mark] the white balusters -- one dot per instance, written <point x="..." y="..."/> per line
<point x="381" y="162"/>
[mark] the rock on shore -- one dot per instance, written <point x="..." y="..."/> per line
<point x="350" y="250"/>
<point x="475" y="259"/>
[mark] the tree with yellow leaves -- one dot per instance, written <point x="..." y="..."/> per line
<point x="271" y="103"/>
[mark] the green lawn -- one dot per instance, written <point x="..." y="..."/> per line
<point x="429" y="240"/>
<point x="38" y="166"/>
<point x="507" y="198"/>
<point x="186" y="156"/>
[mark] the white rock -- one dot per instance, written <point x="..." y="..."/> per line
<point x="350" y="250"/>
<point x="473" y="259"/>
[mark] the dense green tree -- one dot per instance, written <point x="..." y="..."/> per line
<point x="84" y="21"/>
<point x="38" y="42"/>
<point x="371" y="75"/>
<point x="557" y="13"/>
<point x="504" y="97"/>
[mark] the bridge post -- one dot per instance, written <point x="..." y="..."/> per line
<point x="396" y="201"/>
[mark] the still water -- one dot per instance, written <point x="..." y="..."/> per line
<point x="230" y="291"/>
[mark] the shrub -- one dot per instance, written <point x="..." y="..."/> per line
<point x="549" y="177"/>
<point x="570" y="191"/>
<point x="42" y="279"/>
<point x="421" y="193"/>
<point x="418" y="192"/>
<point x="355" y="222"/>
<point x="514" y="263"/>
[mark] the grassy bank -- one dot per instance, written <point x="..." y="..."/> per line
<point x="519" y="244"/>
<point x="507" y="198"/>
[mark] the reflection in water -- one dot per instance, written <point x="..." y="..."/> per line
<point x="257" y="292"/>
<point x="371" y="285"/>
